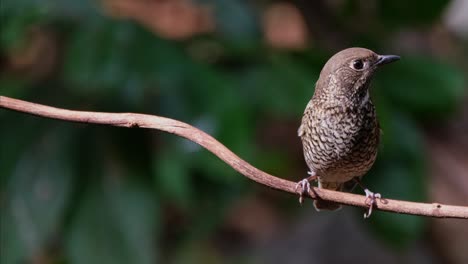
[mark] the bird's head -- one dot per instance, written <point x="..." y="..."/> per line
<point x="349" y="72"/>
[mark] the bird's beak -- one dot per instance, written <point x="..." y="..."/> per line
<point x="386" y="59"/>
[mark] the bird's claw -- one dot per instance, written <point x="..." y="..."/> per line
<point x="371" y="199"/>
<point x="304" y="186"/>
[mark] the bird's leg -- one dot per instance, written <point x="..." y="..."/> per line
<point x="370" y="197"/>
<point x="304" y="184"/>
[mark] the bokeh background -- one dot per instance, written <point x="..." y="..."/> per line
<point x="242" y="71"/>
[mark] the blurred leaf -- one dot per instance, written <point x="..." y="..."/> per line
<point x="297" y="85"/>
<point x="222" y="178"/>
<point x="195" y="253"/>
<point x="401" y="138"/>
<point x="18" y="17"/>
<point x="274" y="162"/>
<point x="106" y="66"/>
<point x="397" y="229"/>
<point x="15" y="26"/>
<point x="36" y="195"/>
<point x="399" y="173"/>
<point x="236" y="19"/>
<point x="400" y="168"/>
<point x="235" y="125"/>
<point x="404" y="13"/>
<point x="13" y="87"/>
<point x="99" y="67"/>
<point x="114" y="224"/>
<point x="400" y="181"/>
<point x="172" y="176"/>
<point x="19" y="139"/>
<point x="208" y="90"/>
<point x="422" y="86"/>
<point x="281" y="85"/>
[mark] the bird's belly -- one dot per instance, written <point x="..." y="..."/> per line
<point x="338" y="154"/>
<point x="347" y="168"/>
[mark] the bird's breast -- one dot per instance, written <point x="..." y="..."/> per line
<point x="340" y="142"/>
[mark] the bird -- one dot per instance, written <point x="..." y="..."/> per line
<point x="339" y="130"/>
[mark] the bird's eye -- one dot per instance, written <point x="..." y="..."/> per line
<point x="357" y="64"/>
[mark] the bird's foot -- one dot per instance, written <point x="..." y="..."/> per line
<point x="371" y="199"/>
<point x="304" y="186"/>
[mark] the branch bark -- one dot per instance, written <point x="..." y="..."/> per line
<point x="191" y="133"/>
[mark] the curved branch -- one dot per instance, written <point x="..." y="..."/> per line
<point x="208" y="142"/>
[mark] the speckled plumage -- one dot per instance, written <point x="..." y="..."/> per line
<point x="339" y="130"/>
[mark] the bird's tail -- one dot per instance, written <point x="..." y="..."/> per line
<point x="327" y="205"/>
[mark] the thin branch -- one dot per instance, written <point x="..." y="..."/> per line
<point x="208" y="142"/>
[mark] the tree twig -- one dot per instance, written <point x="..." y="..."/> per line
<point x="208" y="142"/>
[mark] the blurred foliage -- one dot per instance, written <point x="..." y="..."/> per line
<point x="401" y="13"/>
<point x="86" y="194"/>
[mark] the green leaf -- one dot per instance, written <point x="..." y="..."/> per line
<point x="400" y="168"/>
<point x="98" y="67"/>
<point x="396" y="180"/>
<point x="236" y="20"/>
<point x="401" y="138"/>
<point x="398" y="230"/>
<point x="36" y="195"/>
<point x="404" y="13"/>
<point x="423" y="86"/>
<point x="399" y="173"/>
<point x="172" y="176"/>
<point x="198" y="253"/>
<point x="114" y="224"/>
<point x="13" y="87"/>
<point x="107" y="67"/>
<point x="16" y="25"/>
<point x="282" y="87"/>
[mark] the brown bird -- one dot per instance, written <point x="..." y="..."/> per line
<point x="339" y="130"/>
